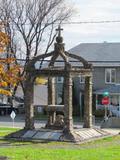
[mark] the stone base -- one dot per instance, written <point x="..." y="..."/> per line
<point x="78" y="135"/>
<point x="111" y="122"/>
<point x="58" y="124"/>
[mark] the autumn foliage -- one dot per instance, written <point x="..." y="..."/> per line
<point x="9" y="71"/>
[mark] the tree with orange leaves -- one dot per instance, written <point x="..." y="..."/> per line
<point x="9" y="76"/>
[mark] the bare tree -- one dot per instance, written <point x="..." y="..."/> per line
<point x="35" y="20"/>
<point x="31" y="24"/>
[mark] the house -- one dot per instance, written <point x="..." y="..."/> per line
<point x="40" y="99"/>
<point x="105" y="58"/>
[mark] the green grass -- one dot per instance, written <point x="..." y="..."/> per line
<point x="5" y="131"/>
<point x="53" y="152"/>
<point x="104" y="149"/>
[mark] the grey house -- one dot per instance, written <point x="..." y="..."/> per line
<point x="105" y="58"/>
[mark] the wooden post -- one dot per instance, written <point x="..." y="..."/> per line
<point x="29" y="108"/>
<point x="88" y="103"/>
<point x="51" y="100"/>
<point x="68" y="102"/>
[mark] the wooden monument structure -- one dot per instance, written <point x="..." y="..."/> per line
<point x="51" y="71"/>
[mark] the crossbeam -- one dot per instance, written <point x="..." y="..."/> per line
<point x="60" y="72"/>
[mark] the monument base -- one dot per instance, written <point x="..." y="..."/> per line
<point x="77" y="135"/>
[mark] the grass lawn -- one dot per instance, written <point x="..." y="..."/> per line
<point x="6" y="130"/>
<point x="105" y="149"/>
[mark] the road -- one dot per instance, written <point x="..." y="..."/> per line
<point x="20" y="122"/>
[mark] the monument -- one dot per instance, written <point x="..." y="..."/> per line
<point x="59" y="127"/>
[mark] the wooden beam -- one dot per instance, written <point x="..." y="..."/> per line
<point x="54" y="72"/>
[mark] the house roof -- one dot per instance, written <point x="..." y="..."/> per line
<point x="100" y="54"/>
<point x="112" y="89"/>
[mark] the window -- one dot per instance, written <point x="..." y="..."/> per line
<point x="82" y="79"/>
<point x="60" y="79"/>
<point x="110" y="75"/>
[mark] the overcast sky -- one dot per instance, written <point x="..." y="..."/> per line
<point x="93" y="10"/>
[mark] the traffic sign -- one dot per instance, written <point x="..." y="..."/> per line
<point x="105" y="100"/>
<point x="13" y="115"/>
<point x="106" y="94"/>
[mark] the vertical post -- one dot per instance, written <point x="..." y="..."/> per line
<point x="80" y="103"/>
<point x="68" y="102"/>
<point x="29" y="108"/>
<point x="51" y="100"/>
<point x="88" y="103"/>
<point x="105" y="117"/>
<point x="13" y="124"/>
<point x="119" y="102"/>
<point x="96" y="99"/>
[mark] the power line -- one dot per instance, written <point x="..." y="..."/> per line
<point x="92" y="22"/>
<point x="79" y="22"/>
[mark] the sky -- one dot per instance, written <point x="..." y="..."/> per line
<point x="92" y="10"/>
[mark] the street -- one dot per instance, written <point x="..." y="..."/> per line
<point x="19" y="122"/>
